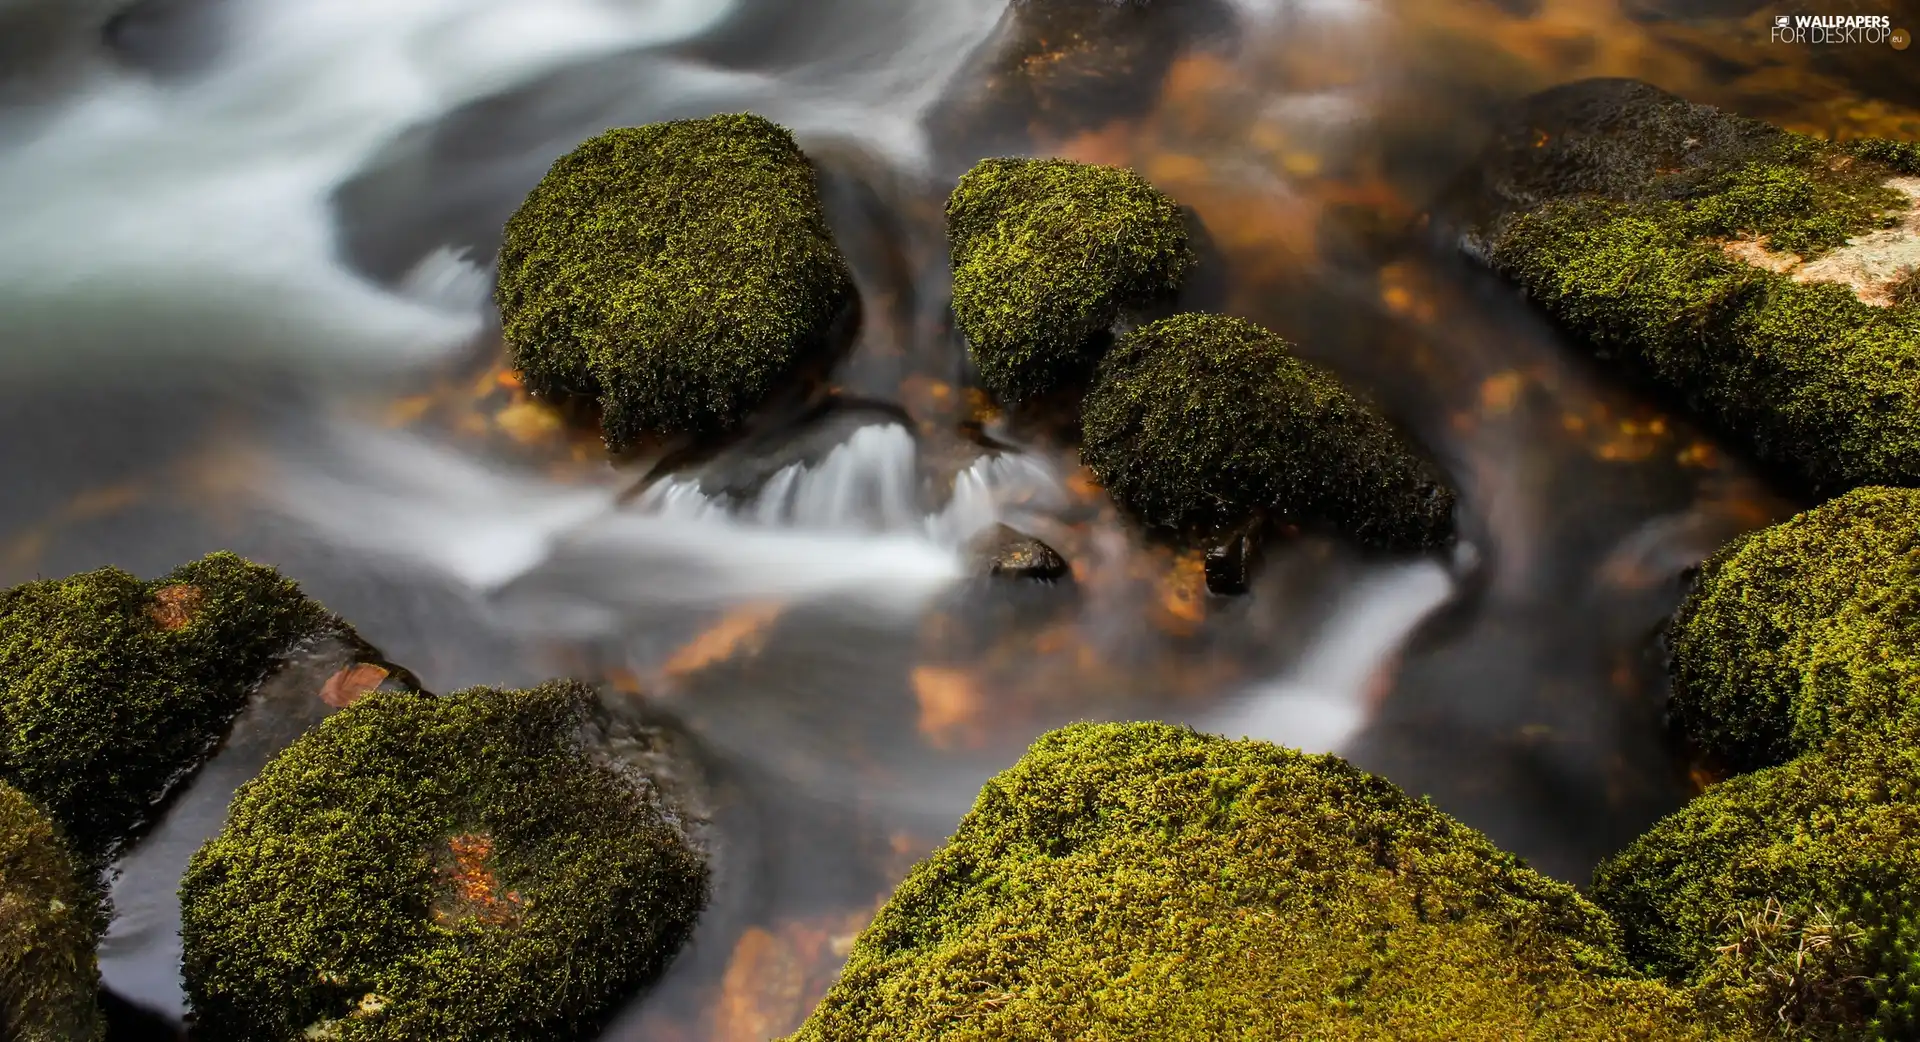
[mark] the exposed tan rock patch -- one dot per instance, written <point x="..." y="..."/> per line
<point x="472" y="889"/>
<point x="174" y="606"/>
<point x="1871" y="265"/>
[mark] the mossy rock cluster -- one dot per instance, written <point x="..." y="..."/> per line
<point x="1664" y="233"/>
<point x="111" y="688"/>
<point x="1795" y="888"/>
<point x="460" y="867"/>
<point x="672" y="273"/>
<point x="1048" y="255"/>
<point x="50" y="921"/>
<point x="1196" y="421"/>
<point x="1143" y="881"/>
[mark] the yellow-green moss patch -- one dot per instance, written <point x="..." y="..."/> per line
<point x="1776" y="613"/>
<point x="454" y="868"/>
<point x="673" y="272"/>
<point x="50" y="921"/>
<point x="1047" y="255"/>
<point x="1142" y="881"/>
<point x="1687" y="243"/>
<point x="111" y="687"/>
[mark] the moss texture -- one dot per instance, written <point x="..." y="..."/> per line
<point x="1832" y="837"/>
<point x="1142" y="881"/>
<point x="1047" y="256"/>
<point x="673" y="272"/>
<point x="49" y="923"/>
<point x="1196" y="421"/>
<point x="1777" y="615"/>
<point x="1610" y="202"/>
<point x="111" y="688"/>
<point x="435" y="868"/>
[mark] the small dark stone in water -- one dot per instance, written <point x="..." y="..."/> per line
<point x="1005" y="553"/>
<point x="1232" y="559"/>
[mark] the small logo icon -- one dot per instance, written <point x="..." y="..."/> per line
<point x="1900" y="39"/>
<point x="1781" y="21"/>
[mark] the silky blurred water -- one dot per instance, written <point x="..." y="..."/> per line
<point x="245" y="263"/>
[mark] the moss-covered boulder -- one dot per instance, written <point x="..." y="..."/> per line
<point x="112" y="687"/>
<point x="1795" y="888"/>
<point x="1198" y="421"/>
<point x="1142" y="881"/>
<point x="1047" y="256"/>
<point x="1763" y="644"/>
<point x="1753" y="271"/>
<point x="50" y="921"/>
<point x="672" y="272"/>
<point x="436" y="868"/>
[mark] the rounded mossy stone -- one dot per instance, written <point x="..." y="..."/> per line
<point x="674" y="272"/>
<point x="1048" y="255"/>
<point x="436" y="868"/>
<point x="1143" y="881"/>
<point x="1197" y="421"/>
<point x="1742" y="640"/>
<point x="1830" y="837"/>
<point x="1862" y="664"/>
<point x="1672" y="237"/>
<point x="50" y="922"/>
<point x="111" y="688"/>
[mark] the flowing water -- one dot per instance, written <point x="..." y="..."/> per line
<point x="245" y="261"/>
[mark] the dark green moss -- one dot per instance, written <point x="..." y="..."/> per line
<point x="435" y="868"/>
<point x="1747" y="636"/>
<point x="1142" y="881"/>
<point x="1829" y="838"/>
<point x="1047" y="256"/>
<point x="1199" y="420"/>
<point x="49" y="923"/>
<point x="1611" y="202"/>
<point x="673" y="272"/>
<point x="111" y="688"/>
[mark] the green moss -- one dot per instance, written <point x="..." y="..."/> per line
<point x="1200" y="420"/>
<point x="1815" y="380"/>
<point x="1831" y="836"/>
<point x="1142" y="881"/>
<point x="111" y="688"/>
<point x="673" y="272"/>
<point x="49" y="923"/>
<point x="1747" y="637"/>
<point x="435" y="868"/>
<point x="1047" y="255"/>
<point x="1611" y="205"/>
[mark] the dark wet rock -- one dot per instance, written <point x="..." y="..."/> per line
<point x="1795" y="632"/>
<point x="1241" y="890"/>
<point x="672" y="273"/>
<point x="1789" y="892"/>
<point x="484" y="865"/>
<point x="1004" y="553"/>
<point x="1750" y="270"/>
<point x="1047" y="256"/>
<point x="1233" y="557"/>
<point x="1055" y="68"/>
<point x="112" y="689"/>
<point x="1201" y="421"/>
<point x="50" y="920"/>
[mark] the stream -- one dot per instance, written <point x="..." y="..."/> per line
<point x="245" y="278"/>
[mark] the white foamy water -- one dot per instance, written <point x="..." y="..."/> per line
<point x="1322" y="703"/>
<point x="852" y="525"/>
<point x="149" y="220"/>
